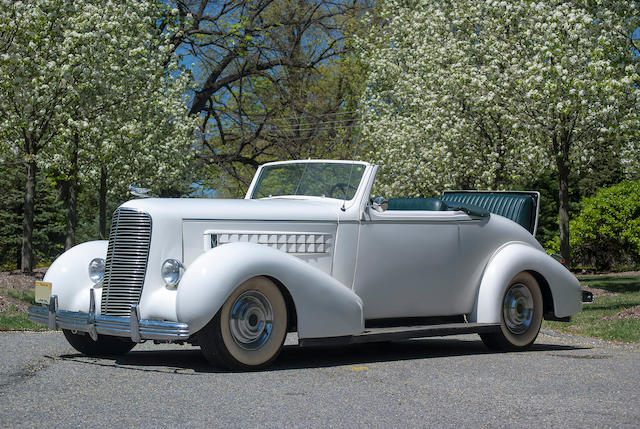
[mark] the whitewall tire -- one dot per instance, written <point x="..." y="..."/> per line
<point x="520" y="316"/>
<point x="250" y="328"/>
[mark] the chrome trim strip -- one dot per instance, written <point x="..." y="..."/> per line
<point x="195" y="219"/>
<point x="111" y="325"/>
<point x="53" y="307"/>
<point x="421" y="221"/>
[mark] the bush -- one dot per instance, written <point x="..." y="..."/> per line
<point x="606" y="234"/>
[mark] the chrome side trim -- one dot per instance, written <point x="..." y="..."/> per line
<point x="111" y="325"/>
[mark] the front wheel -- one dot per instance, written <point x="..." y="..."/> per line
<point x="521" y="315"/>
<point x="105" y="346"/>
<point x="249" y="330"/>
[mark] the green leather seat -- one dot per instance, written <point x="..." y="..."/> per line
<point x="519" y="207"/>
<point x="431" y="204"/>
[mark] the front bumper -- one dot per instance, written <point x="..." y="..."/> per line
<point x="132" y="327"/>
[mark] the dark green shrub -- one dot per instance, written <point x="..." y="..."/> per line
<point x="606" y="234"/>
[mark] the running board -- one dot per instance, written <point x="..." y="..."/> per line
<point x="371" y="335"/>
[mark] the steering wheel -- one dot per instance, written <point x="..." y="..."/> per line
<point x="343" y="186"/>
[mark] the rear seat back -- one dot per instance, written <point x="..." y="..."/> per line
<point x="431" y="204"/>
<point x="520" y="207"/>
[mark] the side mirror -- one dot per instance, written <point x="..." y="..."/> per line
<point x="379" y="204"/>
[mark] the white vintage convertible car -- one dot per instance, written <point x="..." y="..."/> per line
<point x="308" y="250"/>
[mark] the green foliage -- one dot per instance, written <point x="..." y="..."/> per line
<point x="546" y="183"/>
<point x="49" y="220"/>
<point x="11" y="199"/>
<point x="607" y="231"/>
<point x="14" y="320"/>
<point x="26" y="296"/>
<point x="49" y="223"/>
<point x="605" y="169"/>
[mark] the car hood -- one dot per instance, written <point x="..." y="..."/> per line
<point x="230" y="209"/>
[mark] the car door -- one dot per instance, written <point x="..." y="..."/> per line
<point x="407" y="264"/>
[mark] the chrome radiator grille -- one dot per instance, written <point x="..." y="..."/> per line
<point x="126" y="263"/>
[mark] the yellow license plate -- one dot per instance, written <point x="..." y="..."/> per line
<point x="43" y="292"/>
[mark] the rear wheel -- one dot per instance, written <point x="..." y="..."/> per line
<point x="105" y="346"/>
<point x="521" y="315"/>
<point x="250" y="328"/>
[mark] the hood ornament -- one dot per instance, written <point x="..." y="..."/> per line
<point x="139" y="192"/>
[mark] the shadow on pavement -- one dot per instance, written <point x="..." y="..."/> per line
<point x="191" y="361"/>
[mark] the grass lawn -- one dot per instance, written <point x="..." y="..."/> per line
<point x="591" y="322"/>
<point x="14" y="316"/>
<point x="16" y="320"/>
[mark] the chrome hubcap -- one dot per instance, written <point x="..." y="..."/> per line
<point x="517" y="309"/>
<point x="251" y="320"/>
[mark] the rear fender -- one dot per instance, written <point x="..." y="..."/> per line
<point x="512" y="259"/>
<point x="324" y="306"/>
<point x="69" y="276"/>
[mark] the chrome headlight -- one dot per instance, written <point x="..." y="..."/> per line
<point x="96" y="270"/>
<point x="171" y="271"/>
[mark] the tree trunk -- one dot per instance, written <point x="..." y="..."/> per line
<point x="72" y="214"/>
<point x="562" y="163"/>
<point x="103" y="203"/>
<point x="72" y="202"/>
<point x="27" y="221"/>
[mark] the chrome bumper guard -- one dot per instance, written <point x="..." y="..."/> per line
<point x="93" y="324"/>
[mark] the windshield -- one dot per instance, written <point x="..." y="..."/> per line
<point x="320" y="179"/>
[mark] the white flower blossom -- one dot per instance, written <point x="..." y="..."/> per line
<point x="95" y="71"/>
<point x="476" y="93"/>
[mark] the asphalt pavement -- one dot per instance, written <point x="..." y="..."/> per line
<point x="563" y="381"/>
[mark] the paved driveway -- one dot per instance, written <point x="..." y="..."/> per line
<point x="563" y="381"/>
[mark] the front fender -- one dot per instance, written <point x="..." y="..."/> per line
<point x="69" y="275"/>
<point x="325" y="307"/>
<point x="512" y="259"/>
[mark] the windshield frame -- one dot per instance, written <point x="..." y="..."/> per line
<point x="253" y="187"/>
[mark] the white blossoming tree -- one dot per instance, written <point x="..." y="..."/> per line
<point x="85" y="90"/>
<point x="472" y="93"/>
